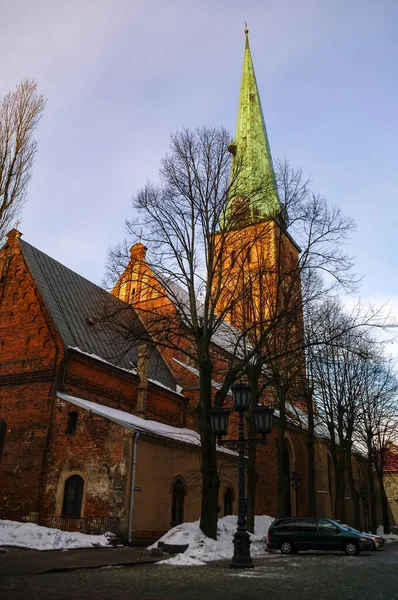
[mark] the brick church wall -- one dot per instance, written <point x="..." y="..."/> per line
<point x="100" y="452"/>
<point x="94" y="381"/>
<point x="29" y="355"/>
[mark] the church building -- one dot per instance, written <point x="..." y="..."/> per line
<point x="97" y="433"/>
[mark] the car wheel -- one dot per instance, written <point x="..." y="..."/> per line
<point x="351" y="548"/>
<point x="287" y="548"/>
<point x="374" y="547"/>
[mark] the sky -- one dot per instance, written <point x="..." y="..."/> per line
<point x="120" y="76"/>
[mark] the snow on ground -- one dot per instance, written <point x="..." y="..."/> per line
<point x="35" y="537"/>
<point x="203" y="549"/>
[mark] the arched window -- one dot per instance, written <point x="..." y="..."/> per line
<point x="228" y="502"/>
<point x="177" y="503"/>
<point x="73" y="496"/>
<point x="3" y="431"/>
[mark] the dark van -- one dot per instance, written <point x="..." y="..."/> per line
<point x="290" y="535"/>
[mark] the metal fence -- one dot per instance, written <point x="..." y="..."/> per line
<point x="90" y="525"/>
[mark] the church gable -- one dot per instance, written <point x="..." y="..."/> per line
<point x="28" y="339"/>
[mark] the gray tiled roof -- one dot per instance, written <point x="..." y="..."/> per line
<point x="71" y="300"/>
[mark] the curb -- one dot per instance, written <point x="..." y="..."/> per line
<point x="80" y="568"/>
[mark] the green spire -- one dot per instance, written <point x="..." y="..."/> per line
<point x="252" y="175"/>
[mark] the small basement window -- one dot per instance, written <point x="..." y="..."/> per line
<point x="72" y="423"/>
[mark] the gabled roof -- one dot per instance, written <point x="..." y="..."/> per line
<point x="77" y="307"/>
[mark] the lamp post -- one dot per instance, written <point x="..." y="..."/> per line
<point x="263" y="422"/>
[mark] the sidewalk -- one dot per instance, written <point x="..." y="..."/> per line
<point x="18" y="561"/>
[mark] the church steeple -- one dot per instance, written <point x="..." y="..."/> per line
<point x="253" y="176"/>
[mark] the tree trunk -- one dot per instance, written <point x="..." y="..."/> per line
<point x="340" y="493"/>
<point x="251" y="477"/>
<point x="384" y="503"/>
<point x="372" y="494"/>
<point x="311" y="458"/>
<point x="339" y="473"/>
<point x="210" y="479"/>
<point x="354" y="491"/>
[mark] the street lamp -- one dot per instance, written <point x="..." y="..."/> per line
<point x="263" y="423"/>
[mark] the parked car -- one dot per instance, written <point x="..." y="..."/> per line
<point x="290" y="535"/>
<point x="377" y="540"/>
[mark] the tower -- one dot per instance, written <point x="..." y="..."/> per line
<point x="259" y="267"/>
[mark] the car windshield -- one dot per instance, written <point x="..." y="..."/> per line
<point x="339" y="526"/>
<point x="349" y="528"/>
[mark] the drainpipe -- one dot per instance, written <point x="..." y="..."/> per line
<point x="133" y="472"/>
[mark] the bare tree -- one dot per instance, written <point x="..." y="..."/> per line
<point x="188" y="257"/>
<point x="20" y="112"/>
<point x="215" y="280"/>
<point x="341" y="370"/>
<point x="378" y="427"/>
<point x="302" y="271"/>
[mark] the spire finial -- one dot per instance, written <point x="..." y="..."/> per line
<point x="246" y="34"/>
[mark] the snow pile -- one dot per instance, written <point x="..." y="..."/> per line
<point x="390" y="537"/>
<point x="203" y="549"/>
<point x="35" y="537"/>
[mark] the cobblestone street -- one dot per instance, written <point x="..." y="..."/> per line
<point x="372" y="576"/>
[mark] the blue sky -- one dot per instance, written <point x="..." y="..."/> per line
<point x="121" y="76"/>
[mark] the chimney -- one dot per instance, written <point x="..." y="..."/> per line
<point x="142" y="371"/>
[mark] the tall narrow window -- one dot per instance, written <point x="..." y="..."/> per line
<point x="228" y="502"/>
<point x="72" y="422"/>
<point x="73" y="496"/>
<point x="3" y="431"/>
<point x="177" y="503"/>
